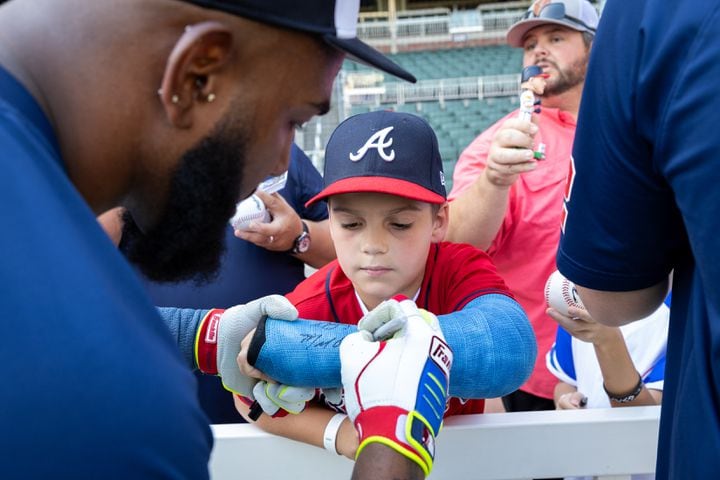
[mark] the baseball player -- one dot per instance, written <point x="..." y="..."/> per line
<point x="642" y="202"/>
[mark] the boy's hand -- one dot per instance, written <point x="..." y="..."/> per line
<point x="217" y="344"/>
<point x="396" y="390"/>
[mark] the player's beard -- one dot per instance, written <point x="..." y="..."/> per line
<point x="188" y="238"/>
<point x="567" y="78"/>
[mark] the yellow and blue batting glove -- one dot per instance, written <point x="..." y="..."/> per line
<point x="396" y="389"/>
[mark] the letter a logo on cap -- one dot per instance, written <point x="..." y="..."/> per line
<point x="378" y="142"/>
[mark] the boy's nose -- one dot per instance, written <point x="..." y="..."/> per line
<point x="374" y="243"/>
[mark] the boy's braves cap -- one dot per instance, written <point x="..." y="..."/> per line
<point x="384" y="152"/>
<point x="579" y="15"/>
<point x="335" y="21"/>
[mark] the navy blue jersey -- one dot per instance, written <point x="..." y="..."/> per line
<point x="645" y="199"/>
<point x="94" y="385"/>
<point x="247" y="272"/>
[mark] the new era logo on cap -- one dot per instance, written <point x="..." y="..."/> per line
<point x="384" y="152"/>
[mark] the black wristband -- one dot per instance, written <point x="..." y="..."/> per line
<point x="627" y="397"/>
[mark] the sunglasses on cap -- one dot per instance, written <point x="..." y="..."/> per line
<point x="555" y="11"/>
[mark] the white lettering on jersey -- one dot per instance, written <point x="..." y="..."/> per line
<point x="379" y="142"/>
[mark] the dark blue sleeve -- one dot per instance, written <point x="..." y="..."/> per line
<point x="623" y="230"/>
<point x="183" y="324"/>
<point x="303" y="183"/>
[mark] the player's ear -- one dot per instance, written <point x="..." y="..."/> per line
<point x="441" y="220"/>
<point x="193" y="74"/>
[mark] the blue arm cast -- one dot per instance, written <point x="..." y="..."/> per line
<point x="492" y="340"/>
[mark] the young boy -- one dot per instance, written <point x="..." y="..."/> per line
<point x="388" y="216"/>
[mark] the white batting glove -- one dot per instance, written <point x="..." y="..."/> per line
<point x="217" y="344"/>
<point x="396" y="390"/>
<point x="277" y="400"/>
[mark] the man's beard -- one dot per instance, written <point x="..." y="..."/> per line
<point x="567" y="79"/>
<point x="187" y="241"/>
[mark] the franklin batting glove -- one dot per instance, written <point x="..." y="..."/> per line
<point x="217" y="343"/>
<point x="396" y="390"/>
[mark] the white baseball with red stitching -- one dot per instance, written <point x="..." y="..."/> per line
<point x="560" y="293"/>
<point x="252" y="209"/>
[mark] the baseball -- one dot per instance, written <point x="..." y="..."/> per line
<point x="252" y="209"/>
<point x="560" y="293"/>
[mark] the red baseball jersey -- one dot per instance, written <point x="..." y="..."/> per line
<point x="455" y="274"/>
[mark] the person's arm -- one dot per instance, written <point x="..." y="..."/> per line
<point x="620" y="308"/>
<point x="307" y="426"/>
<point x="476" y="215"/>
<point x="493" y="341"/>
<point x="209" y="340"/>
<point x="285" y="227"/>
<point x="395" y="374"/>
<point x="618" y="370"/>
<point x="377" y="462"/>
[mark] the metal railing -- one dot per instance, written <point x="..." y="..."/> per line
<point x="433" y="90"/>
<point x="440" y="27"/>
<point x="314" y="136"/>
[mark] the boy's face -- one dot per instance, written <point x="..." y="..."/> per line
<point x="382" y="242"/>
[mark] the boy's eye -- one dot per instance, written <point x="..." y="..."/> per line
<point x="350" y="225"/>
<point x="401" y="226"/>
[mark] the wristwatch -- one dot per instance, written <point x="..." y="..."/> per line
<point x="302" y="242"/>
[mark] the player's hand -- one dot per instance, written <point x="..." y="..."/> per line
<point x="387" y="319"/>
<point x="571" y="401"/>
<point x="220" y="335"/>
<point x="283" y="229"/>
<point x="277" y="400"/>
<point x="581" y="325"/>
<point x="396" y="390"/>
<point x="511" y="152"/>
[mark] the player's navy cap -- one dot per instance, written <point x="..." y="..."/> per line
<point x="579" y="15"/>
<point x="384" y="152"/>
<point x="335" y="21"/>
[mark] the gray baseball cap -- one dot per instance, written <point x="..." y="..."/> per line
<point x="579" y="15"/>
